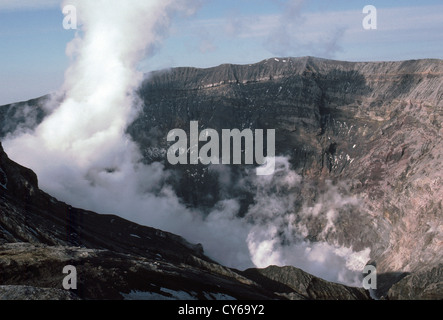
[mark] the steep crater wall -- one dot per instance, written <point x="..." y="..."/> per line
<point x="373" y="129"/>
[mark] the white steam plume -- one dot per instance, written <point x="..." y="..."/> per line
<point x="83" y="141"/>
<point x="83" y="156"/>
<point x="278" y="229"/>
<point x="98" y="86"/>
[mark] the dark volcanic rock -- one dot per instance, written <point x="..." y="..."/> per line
<point x="34" y="293"/>
<point x="104" y="274"/>
<point x="18" y="180"/>
<point x="296" y="284"/>
<point x="423" y="285"/>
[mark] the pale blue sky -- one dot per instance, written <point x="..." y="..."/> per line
<point x="33" y="41"/>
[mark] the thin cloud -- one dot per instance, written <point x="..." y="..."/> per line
<point x="294" y="31"/>
<point x="12" y="5"/>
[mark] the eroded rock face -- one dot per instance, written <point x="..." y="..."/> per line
<point x="423" y="285"/>
<point x="373" y="129"/>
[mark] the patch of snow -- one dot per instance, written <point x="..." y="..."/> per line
<point x="141" y="295"/>
<point x="170" y="295"/>
<point x="135" y="236"/>
<point x="32" y="231"/>
<point x="180" y="295"/>
<point x="5" y="178"/>
<point x="4" y="231"/>
<point x="217" y="296"/>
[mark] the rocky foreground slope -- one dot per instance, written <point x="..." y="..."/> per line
<point x="118" y="259"/>
<point x="372" y="129"/>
